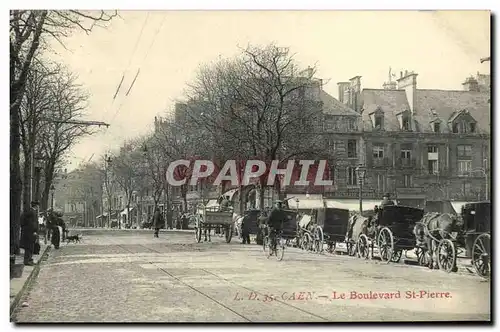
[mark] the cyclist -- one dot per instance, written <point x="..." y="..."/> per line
<point x="275" y="220"/>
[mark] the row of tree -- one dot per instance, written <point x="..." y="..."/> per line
<point x="257" y="105"/>
<point x="45" y="101"/>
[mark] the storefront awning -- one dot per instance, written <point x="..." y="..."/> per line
<point x="303" y="202"/>
<point x="350" y="204"/>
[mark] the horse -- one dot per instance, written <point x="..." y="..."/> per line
<point x="356" y="226"/>
<point x="433" y="228"/>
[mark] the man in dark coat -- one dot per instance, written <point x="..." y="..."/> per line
<point x="29" y="229"/>
<point x="158" y="222"/>
<point x="276" y="217"/>
<point x="245" y="229"/>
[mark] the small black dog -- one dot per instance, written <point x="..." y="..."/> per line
<point x="74" y="238"/>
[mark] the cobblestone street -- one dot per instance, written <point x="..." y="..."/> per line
<point x="129" y="276"/>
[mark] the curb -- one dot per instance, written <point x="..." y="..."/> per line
<point x="27" y="284"/>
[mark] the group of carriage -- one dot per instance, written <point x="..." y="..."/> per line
<point x="393" y="231"/>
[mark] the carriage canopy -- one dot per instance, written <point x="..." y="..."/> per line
<point x="477" y="217"/>
<point x="399" y="214"/>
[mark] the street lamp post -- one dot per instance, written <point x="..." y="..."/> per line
<point x="360" y="172"/>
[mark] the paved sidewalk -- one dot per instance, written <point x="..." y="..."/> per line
<point x="20" y="275"/>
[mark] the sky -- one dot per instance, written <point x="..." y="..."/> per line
<point x="442" y="47"/>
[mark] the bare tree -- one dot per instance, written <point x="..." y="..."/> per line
<point x="36" y="102"/>
<point x="127" y="168"/>
<point x="68" y="101"/>
<point x="27" y="30"/>
<point x="262" y="103"/>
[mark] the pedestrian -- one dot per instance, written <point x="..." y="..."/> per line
<point x="245" y="231"/>
<point x="29" y="229"/>
<point x="158" y="222"/>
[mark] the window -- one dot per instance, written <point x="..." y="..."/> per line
<point x="380" y="183"/>
<point x="351" y="148"/>
<point x="352" y="179"/>
<point x="378" y="151"/>
<point x="407" y="181"/>
<point x="467" y="188"/>
<point x="464" y="151"/>
<point x="378" y="121"/>
<point x="433" y="166"/>
<point x="406" y="123"/>
<point x="472" y="127"/>
<point x="432" y="149"/>
<point x="455" y="128"/>
<point x="437" y="127"/>
<point x="405" y="154"/>
<point x="464" y="167"/>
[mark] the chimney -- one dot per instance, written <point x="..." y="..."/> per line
<point x="409" y="83"/>
<point x="343" y="86"/>
<point x="355" y="102"/>
<point x="471" y="84"/>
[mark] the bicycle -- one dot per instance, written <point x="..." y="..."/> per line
<point x="274" y="243"/>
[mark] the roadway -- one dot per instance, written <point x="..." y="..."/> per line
<point x="129" y="276"/>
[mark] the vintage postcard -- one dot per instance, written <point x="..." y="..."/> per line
<point x="250" y="166"/>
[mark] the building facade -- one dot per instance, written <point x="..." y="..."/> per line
<point x="425" y="144"/>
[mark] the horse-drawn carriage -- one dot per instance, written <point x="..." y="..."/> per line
<point x="323" y="226"/>
<point x="392" y="232"/>
<point x="446" y="235"/>
<point x="209" y="218"/>
<point x="476" y="227"/>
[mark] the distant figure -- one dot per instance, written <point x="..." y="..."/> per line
<point x="245" y="231"/>
<point x="29" y="229"/>
<point x="158" y="222"/>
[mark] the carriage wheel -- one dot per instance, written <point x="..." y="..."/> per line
<point x="447" y="255"/>
<point x="396" y="256"/>
<point x="197" y="233"/>
<point x="385" y="244"/>
<point x="481" y="255"/>
<point x="307" y="242"/>
<point x="423" y="257"/>
<point x="228" y="232"/>
<point x="264" y="243"/>
<point x="280" y="248"/>
<point x="319" y="239"/>
<point x="363" y="246"/>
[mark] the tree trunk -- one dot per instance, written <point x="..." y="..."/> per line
<point x="27" y="176"/>
<point x="16" y="94"/>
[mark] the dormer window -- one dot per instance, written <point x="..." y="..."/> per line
<point x="404" y="118"/>
<point x="472" y="127"/>
<point x="377" y="118"/>
<point x="462" y="122"/>
<point x="437" y="127"/>
<point x="406" y="123"/>
<point x="378" y="122"/>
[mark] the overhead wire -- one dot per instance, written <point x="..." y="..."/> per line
<point x="142" y="62"/>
